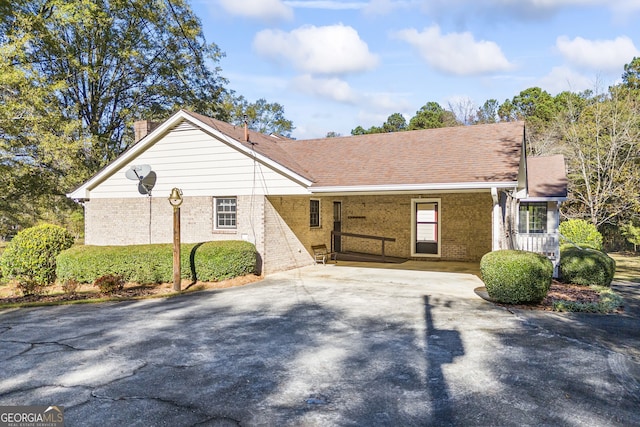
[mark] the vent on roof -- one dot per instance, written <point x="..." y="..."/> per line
<point x="184" y="126"/>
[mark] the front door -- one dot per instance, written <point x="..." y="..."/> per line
<point x="337" y="226"/>
<point x="427" y="227"/>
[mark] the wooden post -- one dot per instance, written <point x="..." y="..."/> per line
<point x="176" y="249"/>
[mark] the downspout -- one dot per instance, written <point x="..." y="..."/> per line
<point x="510" y="223"/>
<point x="496" y="223"/>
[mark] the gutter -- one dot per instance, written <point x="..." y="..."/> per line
<point x="395" y="188"/>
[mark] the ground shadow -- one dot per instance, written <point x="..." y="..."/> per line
<point x="443" y="346"/>
<point x="190" y="360"/>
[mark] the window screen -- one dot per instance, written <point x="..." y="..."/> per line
<point x="533" y="218"/>
<point x="226" y="212"/>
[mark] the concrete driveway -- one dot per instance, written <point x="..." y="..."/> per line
<point x="324" y="346"/>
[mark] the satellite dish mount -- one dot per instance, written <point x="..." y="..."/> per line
<point x="145" y="176"/>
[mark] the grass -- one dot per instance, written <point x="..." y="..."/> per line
<point x="627" y="266"/>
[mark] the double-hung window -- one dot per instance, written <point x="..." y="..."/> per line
<point x="226" y="213"/>
<point x="532" y="217"/>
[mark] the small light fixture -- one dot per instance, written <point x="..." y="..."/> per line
<point x="175" y="199"/>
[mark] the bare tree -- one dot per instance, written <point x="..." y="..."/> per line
<point x="464" y="109"/>
<point x="601" y="142"/>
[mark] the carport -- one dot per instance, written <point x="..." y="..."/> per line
<point x="412" y="265"/>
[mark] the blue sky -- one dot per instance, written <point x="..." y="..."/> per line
<point x="336" y="64"/>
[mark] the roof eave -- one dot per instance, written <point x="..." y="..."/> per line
<point x="544" y="199"/>
<point x="400" y="188"/>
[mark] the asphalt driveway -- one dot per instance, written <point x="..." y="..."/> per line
<point x="324" y="346"/>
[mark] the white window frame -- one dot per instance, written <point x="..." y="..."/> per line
<point x="528" y="215"/>
<point x="216" y="225"/>
<point x="319" y="213"/>
<point x="414" y="202"/>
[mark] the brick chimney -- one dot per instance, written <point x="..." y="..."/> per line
<point x="246" y="130"/>
<point x="142" y="128"/>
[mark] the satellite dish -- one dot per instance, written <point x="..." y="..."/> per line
<point x="146" y="184"/>
<point x="136" y="173"/>
<point x="144" y="175"/>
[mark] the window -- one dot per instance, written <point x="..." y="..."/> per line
<point x="314" y="213"/>
<point x="226" y="212"/>
<point x="532" y="218"/>
<point x="426" y="223"/>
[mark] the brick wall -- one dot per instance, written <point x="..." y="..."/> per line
<point x="284" y="221"/>
<point x="135" y="221"/>
<point x="294" y="211"/>
<point x="465" y="221"/>
<point x="466" y="225"/>
<point x="283" y="249"/>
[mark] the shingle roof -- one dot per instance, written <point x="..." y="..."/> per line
<point x="480" y="153"/>
<point x="462" y="154"/>
<point x="266" y="145"/>
<point x="546" y="176"/>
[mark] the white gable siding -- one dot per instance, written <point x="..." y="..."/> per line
<point x="200" y="165"/>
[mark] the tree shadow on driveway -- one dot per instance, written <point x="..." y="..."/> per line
<point x="202" y="360"/>
<point x="285" y="354"/>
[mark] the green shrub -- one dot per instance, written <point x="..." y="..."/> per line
<point x="586" y="266"/>
<point x="215" y="261"/>
<point x="109" y="283"/>
<point x="211" y="261"/>
<point x="515" y="277"/>
<point x="30" y="257"/>
<point x="580" y="232"/>
<point x="608" y="302"/>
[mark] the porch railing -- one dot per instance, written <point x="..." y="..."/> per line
<point x="339" y="234"/>
<point x="542" y="243"/>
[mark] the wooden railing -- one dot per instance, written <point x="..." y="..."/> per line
<point x="542" y="243"/>
<point x="335" y="234"/>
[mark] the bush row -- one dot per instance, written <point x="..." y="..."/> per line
<point x="144" y="264"/>
<point x="514" y="277"/>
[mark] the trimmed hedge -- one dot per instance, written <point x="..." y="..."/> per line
<point x="585" y="266"/>
<point x="30" y="257"/>
<point x="515" y="277"/>
<point x="208" y="262"/>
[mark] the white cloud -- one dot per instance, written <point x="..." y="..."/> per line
<point x="562" y="79"/>
<point x="265" y="10"/>
<point x="335" y="89"/>
<point x="456" y="53"/>
<point x="329" y="88"/>
<point x="385" y="102"/>
<point x="335" y="49"/>
<point x="600" y="55"/>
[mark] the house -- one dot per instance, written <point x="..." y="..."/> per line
<point x="445" y="194"/>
